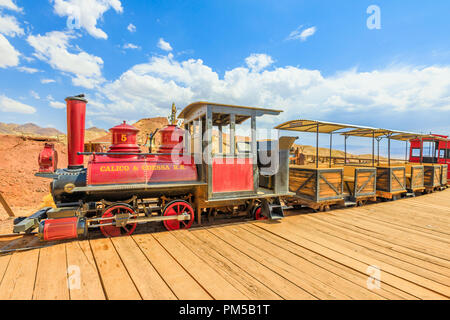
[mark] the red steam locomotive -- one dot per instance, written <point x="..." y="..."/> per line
<point x="194" y="173"/>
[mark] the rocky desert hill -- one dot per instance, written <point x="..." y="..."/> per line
<point x="27" y="129"/>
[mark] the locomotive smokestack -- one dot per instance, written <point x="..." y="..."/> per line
<point x="76" y="114"/>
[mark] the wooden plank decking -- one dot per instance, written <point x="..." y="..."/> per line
<point x="309" y="256"/>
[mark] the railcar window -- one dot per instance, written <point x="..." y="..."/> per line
<point x="416" y="152"/>
<point x="442" y="153"/>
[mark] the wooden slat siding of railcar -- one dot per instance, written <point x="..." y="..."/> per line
<point x="361" y="178"/>
<point x="347" y="257"/>
<point x="177" y="278"/>
<point x="400" y="185"/>
<point x="297" y="178"/>
<point x="345" y="272"/>
<point x="286" y="289"/>
<point x="116" y="281"/>
<point x="383" y="179"/>
<point x="19" y="278"/>
<point x="51" y="277"/>
<point x="384" y="259"/>
<point x="432" y="176"/>
<point x="216" y="285"/>
<point x="148" y="282"/>
<point x="239" y="278"/>
<point x="326" y="284"/>
<point x="417" y="177"/>
<point x="79" y="254"/>
<point x="444" y="175"/>
<point x="428" y="262"/>
<point x="398" y="236"/>
<point x="335" y="179"/>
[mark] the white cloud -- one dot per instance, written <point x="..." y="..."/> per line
<point x="86" y="13"/>
<point x="27" y="69"/>
<point x="53" y="48"/>
<point x="130" y="46"/>
<point x="9" y="56"/>
<point x="34" y="94"/>
<point x="46" y="81"/>
<point x="9" y="26"/>
<point x="10" y="105"/>
<point x="131" y="27"/>
<point x="258" y="61"/>
<point x="57" y="104"/>
<point x="297" y="34"/>
<point x="9" y="4"/>
<point x="143" y="89"/>
<point x="164" y="45"/>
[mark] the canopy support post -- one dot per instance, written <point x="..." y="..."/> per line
<point x="317" y="147"/>
<point x="389" y="150"/>
<point x="373" y="148"/>
<point x="345" y="149"/>
<point x="406" y="151"/>
<point x="331" y="143"/>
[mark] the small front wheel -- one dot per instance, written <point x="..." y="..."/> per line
<point x="257" y="213"/>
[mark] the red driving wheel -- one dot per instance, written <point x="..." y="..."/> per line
<point x="112" y="230"/>
<point x="258" y="215"/>
<point x="178" y="207"/>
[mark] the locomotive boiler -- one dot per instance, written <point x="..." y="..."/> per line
<point x="123" y="187"/>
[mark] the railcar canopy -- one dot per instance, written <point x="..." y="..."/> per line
<point x="304" y="125"/>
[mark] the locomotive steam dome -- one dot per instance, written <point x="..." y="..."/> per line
<point x="171" y="139"/>
<point x="124" y="139"/>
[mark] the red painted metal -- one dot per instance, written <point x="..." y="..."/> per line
<point x="59" y="229"/>
<point x="171" y="139"/>
<point x="124" y="139"/>
<point x="232" y="174"/>
<point x="76" y="113"/>
<point x="113" y="231"/>
<point x="416" y="145"/>
<point x="176" y="208"/>
<point x="140" y="169"/>
<point x="48" y="158"/>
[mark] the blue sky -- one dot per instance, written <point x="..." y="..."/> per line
<point x="313" y="59"/>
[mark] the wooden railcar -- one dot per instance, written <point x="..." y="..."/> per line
<point x="432" y="176"/>
<point x="444" y="175"/>
<point x="414" y="177"/>
<point x="360" y="184"/>
<point x="391" y="181"/>
<point x="317" y="188"/>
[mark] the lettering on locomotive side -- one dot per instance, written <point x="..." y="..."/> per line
<point x="153" y="167"/>
<point x="114" y="168"/>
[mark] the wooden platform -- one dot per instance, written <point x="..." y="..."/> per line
<point x="309" y="256"/>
